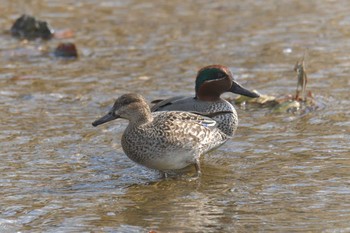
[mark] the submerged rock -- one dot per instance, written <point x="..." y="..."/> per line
<point x="287" y="106"/>
<point x="27" y="27"/>
<point x="262" y="100"/>
<point x="64" y="33"/>
<point x="66" y="50"/>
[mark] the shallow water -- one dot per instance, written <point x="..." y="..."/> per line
<point x="281" y="172"/>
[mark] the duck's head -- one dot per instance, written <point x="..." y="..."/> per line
<point x="214" y="80"/>
<point x="132" y="107"/>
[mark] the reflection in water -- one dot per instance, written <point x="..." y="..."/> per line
<point x="281" y="172"/>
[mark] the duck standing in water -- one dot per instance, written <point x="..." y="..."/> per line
<point x="163" y="141"/>
<point x="211" y="82"/>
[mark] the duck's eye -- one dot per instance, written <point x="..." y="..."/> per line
<point x="220" y="75"/>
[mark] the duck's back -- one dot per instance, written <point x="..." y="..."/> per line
<point x="227" y="122"/>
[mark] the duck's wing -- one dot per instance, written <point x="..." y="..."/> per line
<point x="187" y="130"/>
<point x="202" y="128"/>
<point x="169" y="104"/>
<point x="188" y="118"/>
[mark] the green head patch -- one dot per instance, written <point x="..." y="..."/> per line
<point x="207" y="75"/>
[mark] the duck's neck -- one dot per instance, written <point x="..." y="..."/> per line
<point x="211" y="91"/>
<point x="143" y="116"/>
<point x="208" y="96"/>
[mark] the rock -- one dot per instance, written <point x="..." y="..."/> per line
<point x="27" y="27"/>
<point x="66" y="50"/>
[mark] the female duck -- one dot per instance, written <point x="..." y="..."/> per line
<point x="211" y="82"/>
<point x="163" y="140"/>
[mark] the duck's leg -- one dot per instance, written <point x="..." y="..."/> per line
<point x="198" y="167"/>
<point x="198" y="170"/>
<point x="164" y="174"/>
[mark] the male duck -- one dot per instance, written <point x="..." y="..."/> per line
<point x="163" y="140"/>
<point x="211" y="82"/>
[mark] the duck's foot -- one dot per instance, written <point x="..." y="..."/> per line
<point x="198" y="171"/>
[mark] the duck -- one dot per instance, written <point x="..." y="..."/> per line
<point x="165" y="140"/>
<point x="211" y="82"/>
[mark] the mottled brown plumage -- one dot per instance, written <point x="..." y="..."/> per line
<point x="163" y="140"/>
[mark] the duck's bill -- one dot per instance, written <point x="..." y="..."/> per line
<point x="238" y="89"/>
<point x="104" y="119"/>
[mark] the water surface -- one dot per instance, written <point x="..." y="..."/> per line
<point x="280" y="173"/>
